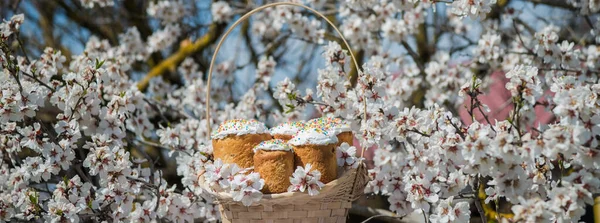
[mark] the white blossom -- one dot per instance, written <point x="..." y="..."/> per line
<point x="167" y="11"/>
<point x="221" y="11"/>
<point x="476" y="9"/>
<point x="346" y="156"/>
<point x="304" y="179"/>
<point x="447" y="211"/>
<point x="11" y="26"/>
<point x="100" y="3"/>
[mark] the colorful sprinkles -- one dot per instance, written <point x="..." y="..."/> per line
<point x="287" y="128"/>
<point x="273" y="145"/>
<point x="319" y="131"/>
<point x="239" y="127"/>
<point x="333" y="125"/>
<point x="313" y="136"/>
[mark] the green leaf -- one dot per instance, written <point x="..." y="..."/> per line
<point x="99" y="63"/>
<point x="33" y="199"/>
<point x="291" y="108"/>
<point x="292" y="96"/>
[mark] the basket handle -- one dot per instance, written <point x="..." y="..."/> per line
<point x="246" y="16"/>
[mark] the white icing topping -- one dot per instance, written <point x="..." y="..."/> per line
<point x="334" y="126"/>
<point x="339" y="128"/>
<point x="239" y="127"/>
<point x="288" y="128"/>
<point x="313" y="136"/>
<point x="273" y="145"/>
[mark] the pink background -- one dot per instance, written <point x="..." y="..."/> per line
<point x="498" y="99"/>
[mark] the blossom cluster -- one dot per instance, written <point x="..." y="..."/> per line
<point x="100" y="3"/>
<point x="305" y="179"/>
<point x="66" y="132"/>
<point x="273" y="21"/>
<point x="11" y="26"/>
<point x="427" y="156"/>
<point x="167" y="11"/>
<point x="346" y="156"/>
<point x="244" y="186"/>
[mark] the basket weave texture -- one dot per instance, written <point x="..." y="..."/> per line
<point x="330" y="205"/>
<point x="309" y="212"/>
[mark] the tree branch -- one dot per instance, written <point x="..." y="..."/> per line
<point x="370" y="213"/>
<point x="172" y="61"/>
<point x="554" y="3"/>
<point x="415" y="57"/>
<point x="104" y="32"/>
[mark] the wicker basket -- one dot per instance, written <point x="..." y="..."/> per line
<point x="333" y="201"/>
<point x="330" y="205"/>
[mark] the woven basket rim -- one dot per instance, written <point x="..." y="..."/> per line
<point x="330" y="188"/>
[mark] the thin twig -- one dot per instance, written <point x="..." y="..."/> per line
<point x="153" y="106"/>
<point x="418" y="132"/>
<point x="152" y="102"/>
<point x="415" y="56"/>
<point x="525" y="25"/>
<point x="158" y="191"/>
<point x="369" y="212"/>
<point x="521" y="53"/>
<point x="520" y="38"/>
<point x="485" y="116"/>
<point x="152" y="162"/>
<point x="149" y="143"/>
<point x="425" y="216"/>
<point x="38" y="80"/>
<point x="478" y="201"/>
<point x="18" y="83"/>
<point x="23" y="49"/>
<point x="568" y="70"/>
<point x="82" y="174"/>
<point x="380" y="216"/>
<point x="317" y="103"/>
<point x="589" y="22"/>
